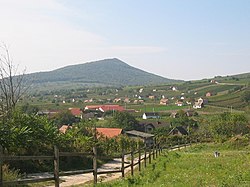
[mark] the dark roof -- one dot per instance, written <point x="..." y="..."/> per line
<point x="180" y="129"/>
<point x="139" y="134"/>
<point x="151" y="114"/>
<point x="155" y="124"/>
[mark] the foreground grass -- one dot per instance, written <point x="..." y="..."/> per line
<point x="194" y="167"/>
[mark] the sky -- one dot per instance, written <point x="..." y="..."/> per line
<point x="178" y="39"/>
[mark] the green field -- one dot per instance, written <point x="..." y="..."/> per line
<point x="195" y="166"/>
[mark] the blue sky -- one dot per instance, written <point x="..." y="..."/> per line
<point x="180" y="39"/>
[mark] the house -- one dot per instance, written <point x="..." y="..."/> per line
<point x="174" y="88"/>
<point x="214" y="81"/>
<point x="149" y="126"/>
<point x="163" y="101"/>
<point x="151" y="97"/>
<point x="141" y="101"/>
<point x="89" y="115"/>
<point x="199" y="103"/>
<point x="92" y="107"/>
<point x="104" y="108"/>
<point x="77" y="112"/>
<point x="126" y="100"/>
<point x="135" y="101"/>
<point x="64" y="128"/>
<point x="178" y="131"/>
<point x="109" y="132"/>
<point x="116" y="100"/>
<point x="49" y="113"/>
<point x="147" y="138"/>
<point x="150" y="115"/>
<point x="179" y="103"/>
<point x="209" y="94"/>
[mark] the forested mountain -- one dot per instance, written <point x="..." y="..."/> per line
<point x="106" y="72"/>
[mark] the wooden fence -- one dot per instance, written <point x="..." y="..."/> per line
<point x="145" y="155"/>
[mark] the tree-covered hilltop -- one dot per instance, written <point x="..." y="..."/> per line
<point x="106" y="72"/>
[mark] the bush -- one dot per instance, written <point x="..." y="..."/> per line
<point x="237" y="142"/>
<point x="10" y="174"/>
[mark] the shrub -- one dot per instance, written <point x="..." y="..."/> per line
<point x="10" y="174"/>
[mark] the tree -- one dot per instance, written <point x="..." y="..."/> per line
<point x="29" y="109"/>
<point x="124" y="120"/>
<point x="227" y="125"/>
<point x="246" y="96"/>
<point x="11" y="83"/>
<point x="65" y="117"/>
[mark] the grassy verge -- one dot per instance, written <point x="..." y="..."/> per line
<point x="195" y="166"/>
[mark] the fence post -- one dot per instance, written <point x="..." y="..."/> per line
<point x="154" y="151"/>
<point x="145" y="156"/>
<point x="123" y="172"/>
<point x="139" y="161"/>
<point x="132" y="162"/>
<point x="1" y="166"/>
<point x="95" y="164"/>
<point x="56" y="166"/>
<point x="159" y="150"/>
<point x="149" y="156"/>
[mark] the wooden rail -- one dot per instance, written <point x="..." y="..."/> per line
<point x="145" y="155"/>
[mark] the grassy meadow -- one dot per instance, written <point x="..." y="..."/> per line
<point x="195" y="166"/>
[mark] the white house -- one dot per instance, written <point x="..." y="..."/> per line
<point x="150" y="115"/>
<point x="199" y="103"/>
<point x="174" y="88"/>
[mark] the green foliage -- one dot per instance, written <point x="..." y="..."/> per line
<point x="65" y="117"/>
<point x="227" y="125"/>
<point x="105" y="72"/>
<point x="246" y="96"/>
<point x="183" y="120"/>
<point x="29" y="109"/>
<point x="123" y="120"/>
<point x="10" y="174"/>
<point x="27" y="134"/>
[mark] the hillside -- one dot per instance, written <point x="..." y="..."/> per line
<point x="103" y="72"/>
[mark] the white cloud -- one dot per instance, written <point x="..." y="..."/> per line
<point x="40" y="38"/>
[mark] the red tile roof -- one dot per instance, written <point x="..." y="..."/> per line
<point x="92" y="107"/>
<point x="109" y="132"/>
<point x="75" y="111"/>
<point x="105" y="108"/>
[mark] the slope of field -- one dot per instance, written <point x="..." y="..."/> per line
<point x="195" y="166"/>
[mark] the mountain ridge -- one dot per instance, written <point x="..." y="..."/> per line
<point x="108" y="72"/>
